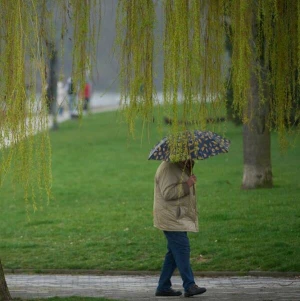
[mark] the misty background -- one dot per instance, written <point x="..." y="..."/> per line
<point x="105" y="74"/>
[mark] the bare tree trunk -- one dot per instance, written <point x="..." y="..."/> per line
<point x="257" y="161"/>
<point x="256" y="134"/>
<point x="256" y="143"/>
<point x="4" y="292"/>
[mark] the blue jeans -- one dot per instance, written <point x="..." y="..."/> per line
<point x="178" y="255"/>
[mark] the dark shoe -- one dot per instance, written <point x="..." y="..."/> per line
<point x="194" y="290"/>
<point x="168" y="293"/>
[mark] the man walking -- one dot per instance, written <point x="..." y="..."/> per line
<point x="175" y="212"/>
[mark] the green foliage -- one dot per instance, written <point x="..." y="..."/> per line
<point x="193" y="52"/>
<point x="101" y="214"/>
<point x="265" y="45"/>
<point x="85" y="19"/>
<point x="27" y="30"/>
<point x="135" y="21"/>
<point x="20" y="64"/>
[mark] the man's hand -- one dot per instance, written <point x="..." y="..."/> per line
<point x="191" y="180"/>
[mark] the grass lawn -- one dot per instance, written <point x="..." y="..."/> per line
<point x="101" y="214"/>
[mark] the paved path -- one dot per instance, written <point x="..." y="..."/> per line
<point x="143" y="287"/>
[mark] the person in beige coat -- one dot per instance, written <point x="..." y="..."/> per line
<point x="175" y="213"/>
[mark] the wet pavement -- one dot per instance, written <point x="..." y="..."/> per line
<point x="130" y="287"/>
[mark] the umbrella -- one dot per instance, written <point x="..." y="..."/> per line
<point x="197" y="145"/>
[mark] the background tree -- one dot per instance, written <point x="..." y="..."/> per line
<point x="256" y="130"/>
<point x="264" y="24"/>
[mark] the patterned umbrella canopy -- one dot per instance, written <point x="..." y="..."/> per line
<point x="196" y="145"/>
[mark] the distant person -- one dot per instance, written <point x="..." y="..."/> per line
<point x="175" y="213"/>
<point x="71" y="95"/>
<point x="61" y="97"/>
<point x="87" y="96"/>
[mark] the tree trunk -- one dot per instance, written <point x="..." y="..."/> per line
<point x="4" y="292"/>
<point x="257" y="159"/>
<point x="256" y="133"/>
<point x="256" y="142"/>
<point x="52" y="84"/>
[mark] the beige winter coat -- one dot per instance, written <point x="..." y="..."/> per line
<point x="175" y="206"/>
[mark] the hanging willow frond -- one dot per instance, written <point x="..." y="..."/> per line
<point x="22" y="116"/>
<point x="283" y="69"/>
<point x="265" y="46"/>
<point x="193" y="60"/>
<point x="270" y="49"/>
<point x="86" y="18"/>
<point x="27" y="28"/>
<point x="240" y="15"/>
<point x="135" y="21"/>
<point x="193" y="70"/>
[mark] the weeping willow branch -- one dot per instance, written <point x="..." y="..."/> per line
<point x="265" y="42"/>
<point x="193" y="43"/>
<point x="272" y="42"/>
<point x="26" y="28"/>
<point x="135" y="21"/>
<point x="21" y="62"/>
<point x="86" y="16"/>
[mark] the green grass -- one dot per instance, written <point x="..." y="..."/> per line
<point x="101" y="216"/>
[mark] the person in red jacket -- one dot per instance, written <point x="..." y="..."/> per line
<point x="87" y="96"/>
